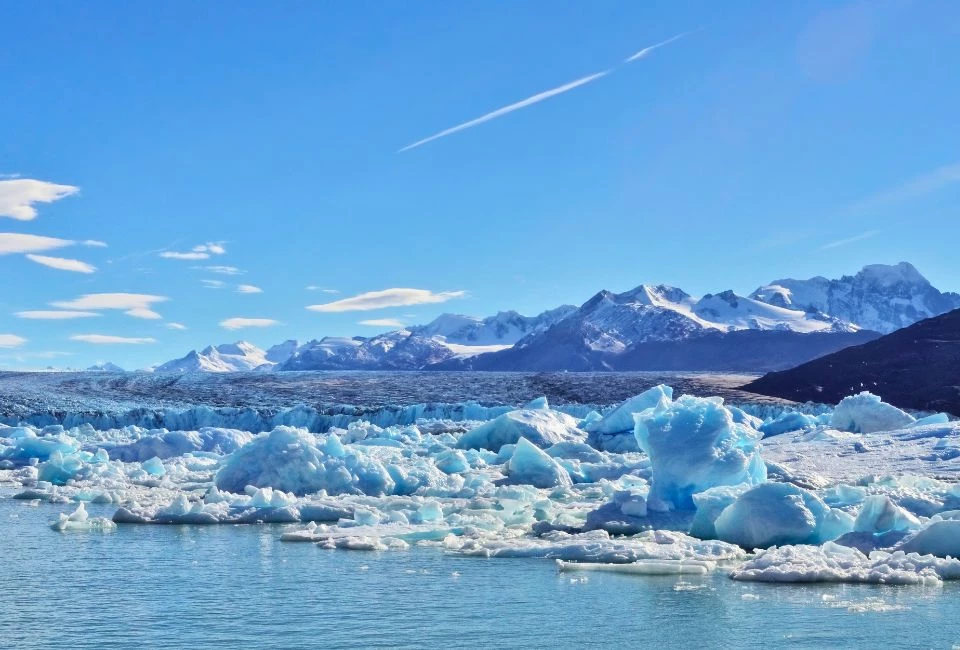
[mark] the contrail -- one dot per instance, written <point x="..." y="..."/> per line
<point x="647" y="50"/>
<point x="547" y="94"/>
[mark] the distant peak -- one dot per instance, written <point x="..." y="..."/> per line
<point x="887" y="274"/>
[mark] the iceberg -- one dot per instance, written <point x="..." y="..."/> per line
<point x="775" y="514"/>
<point x="710" y="503"/>
<point x="539" y="426"/>
<point x="879" y="515"/>
<point x="787" y="422"/>
<point x="530" y="465"/>
<point x="866" y="413"/>
<point x="177" y="443"/>
<point x="695" y="444"/>
<point x="607" y="433"/>
<point x="290" y="460"/>
<point x="939" y="537"/>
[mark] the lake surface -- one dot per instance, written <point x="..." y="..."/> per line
<point x="240" y="586"/>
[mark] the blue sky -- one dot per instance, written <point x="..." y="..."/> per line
<point x="268" y="139"/>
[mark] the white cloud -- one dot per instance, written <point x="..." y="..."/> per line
<point x="106" y="339"/>
<point x="55" y="314"/>
<point x="213" y="284"/>
<point x="248" y="288"/>
<point x="523" y="103"/>
<point x="201" y="252"/>
<point x="12" y="242"/>
<point x="387" y="298"/>
<point x="850" y="240"/>
<point x="382" y="322"/>
<point x="222" y="270"/>
<point x="137" y="305"/>
<point x="240" y="323"/>
<point x="173" y="255"/>
<point x="214" y="248"/>
<point x="143" y="312"/>
<point x="642" y="54"/>
<point x="62" y="263"/>
<point x="313" y="287"/>
<point x="95" y="243"/>
<point x="11" y="341"/>
<point x="18" y="195"/>
<point x="176" y="326"/>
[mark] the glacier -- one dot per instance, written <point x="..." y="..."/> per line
<point x="856" y="492"/>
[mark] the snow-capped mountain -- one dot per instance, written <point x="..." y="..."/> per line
<point x="504" y="329"/>
<point x="227" y="357"/>
<point x="629" y="330"/>
<point x="612" y="322"/>
<point x="280" y="352"/>
<point x="105" y="367"/>
<point x="662" y="327"/>
<point x="450" y="336"/>
<point x="881" y="297"/>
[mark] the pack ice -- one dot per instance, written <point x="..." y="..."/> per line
<point x="859" y="492"/>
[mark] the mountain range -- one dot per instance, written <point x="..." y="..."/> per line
<point x="651" y="327"/>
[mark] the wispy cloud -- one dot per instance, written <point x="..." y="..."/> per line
<point x="62" y="263"/>
<point x="248" y="288"/>
<point x="11" y="341"/>
<point x="95" y="243"/>
<point x="176" y="326"/>
<point x="387" y="298"/>
<point x="107" y="339"/>
<point x="222" y="270"/>
<point x="201" y="252"/>
<point x="500" y="112"/>
<point x="918" y="186"/>
<point x="55" y="314"/>
<point x="850" y="240"/>
<point x="18" y="196"/>
<point x="137" y="305"/>
<point x="14" y="242"/>
<point x="642" y="54"/>
<point x="174" y="255"/>
<point x="314" y="287"/>
<point x="539" y="97"/>
<point x="382" y="322"/>
<point x="213" y="284"/>
<point x="240" y="323"/>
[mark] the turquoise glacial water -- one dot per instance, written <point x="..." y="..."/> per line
<point x="240" y="587"/>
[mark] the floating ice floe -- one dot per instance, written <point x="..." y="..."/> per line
<point x="835" y="563"/>
<point x="79" y="520"/>
<point x="645" y="567"/>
